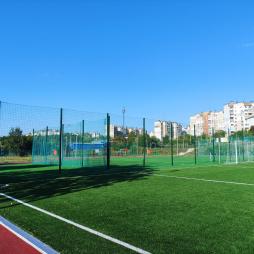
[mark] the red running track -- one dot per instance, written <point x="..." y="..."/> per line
<point x="12" y="244"/>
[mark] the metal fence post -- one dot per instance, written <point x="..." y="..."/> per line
<point x="108" y="141"/>
<point x="82" y="141"/>
<point x="243" y="144"/>
<point x="46" y="143"/>
<point x="171" y="143"/>
<point x="144" y="144"/>
<point x="229" y="145"/>
<point x="213" y="145"/>
<point x="195" y="145"/>
<point x="60" y="140"/>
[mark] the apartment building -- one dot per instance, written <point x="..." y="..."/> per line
<point x="249" y="122"/>
<point x="206" y="122"/>
<point x="118" y="131"/>
<point x="236" y="115"/>
<point x="198" y="121"/>
<point x="163" y="129"/>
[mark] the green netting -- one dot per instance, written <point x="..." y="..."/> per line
<point x="84" y="144"/>
<point x="83" y="139"/>
<point x="72" y="135"/>
<point x="17" y="124"/>
<point x="127" y="140"/>
<point x="33" y="134"/>
<point x="45" y="150"/>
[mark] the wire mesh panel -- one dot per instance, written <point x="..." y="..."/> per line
<point x="84" y="139"/>
<point x="18" y="123"/>
<point x="71" y="138"/>
<point x="126" y="140"/>
<point x="71" y="145"/>
<point x="45" y="148"/>
<point x="240" y="150"/>
<point x="158" y="146"/>
<point x="205" y="150"/>
<point x="168" y="145"/>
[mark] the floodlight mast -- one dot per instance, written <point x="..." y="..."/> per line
<point x="124" y="111"/>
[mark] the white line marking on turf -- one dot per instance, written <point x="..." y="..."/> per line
<point x="178" y="177"/>
<point x="205" y="180"/>
<point x="23" y="238"/>
<point x="92" y="231"/>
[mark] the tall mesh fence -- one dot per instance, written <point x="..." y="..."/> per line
<point x="31" y="134"/>
<point x="127" y="140"/>
<point x="20" y="126"/>
<point x="83" y="139"/>
<point x="167" y="145"/>
<point x="53" y="136"/>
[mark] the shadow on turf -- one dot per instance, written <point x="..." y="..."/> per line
<point x="9" y="166"/>
<point x="35" y="185"/>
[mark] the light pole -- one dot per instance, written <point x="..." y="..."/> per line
<point x="124" y="111"/>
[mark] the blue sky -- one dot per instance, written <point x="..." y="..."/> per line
<point x="159" y="59"/>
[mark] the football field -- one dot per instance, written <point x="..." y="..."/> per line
<point x="131" y="209"/>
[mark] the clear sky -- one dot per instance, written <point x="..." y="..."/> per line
<point x="160" y="59"/>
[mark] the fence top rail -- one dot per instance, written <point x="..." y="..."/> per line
<point x="102" y="114"/>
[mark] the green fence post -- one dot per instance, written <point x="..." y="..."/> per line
<point x="229" y="145"/>
<point x="195" y="145"/>
<point x="60" y="141"/>
<point x="82" y="142"/>
<point x="0" y="122"/>
<point x="171" y="143"/>
<point x="144" y="144"/>
<point x="0" y="118"/>
<point x="46" y="143"/>
<point x="32" y="146"/>
<point x="243" y="144"/>
<point x="108" y="141"/>
<point x="213" y="145"/>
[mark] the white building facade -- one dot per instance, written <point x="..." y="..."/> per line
<point x="196" y="121"/>
<point x="236" y="115"/>
<point x="163" y="129"/>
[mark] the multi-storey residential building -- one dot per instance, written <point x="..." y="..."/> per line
<point x="120" y="131"/>
<point x="249" y="122"/>
<point x="177" y="130"/>
<point x="198" y="121"/>
<point x="206" y="122"/>
<point x="215" y="122"/>
<point x="163" y="129"/>
<point x="236" y="115"/>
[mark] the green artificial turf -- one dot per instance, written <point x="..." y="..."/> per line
<point x="140" y="206"/>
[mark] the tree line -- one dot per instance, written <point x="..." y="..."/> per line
<point x="16" y="143"/>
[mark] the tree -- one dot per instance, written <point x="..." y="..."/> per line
<point x="132" y="138"/>
<point x="220" y="134"/>
<point x="119" y="142"/>
<point x="166" y="140"/>
<point x="16" y="143"/>
<point x="153" y="142"/>
<point x="27" y="145"/>
<point x="251" y="131"/>
<point x="238" y="134"/>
